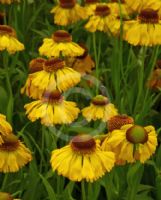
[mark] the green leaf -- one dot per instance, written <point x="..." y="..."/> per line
<point x="49" y="189"/>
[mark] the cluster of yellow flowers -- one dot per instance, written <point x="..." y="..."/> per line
<point x="140" y="20"/>
<point x="85" y="157"/>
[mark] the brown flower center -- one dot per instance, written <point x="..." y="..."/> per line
<point x="91" y="1"/>
<point x="137" y="134"/>
<point x="149" y="16"/>
<point x="11" y="143"/>
<point x="102" y="10"/>
<point x="4" y="29"/>
<point x="36" y="64"/>
<point x="100" y="100"/>
<point x="53" y="64"/>
<point x="54" y="97"/>
<point x="67" y="3"/>
<point x="62" y="36"/>
<point x="83" y="144"/>
<point x="118" y="121"/>
<point x="85" y="51"/>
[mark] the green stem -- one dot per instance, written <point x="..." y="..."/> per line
<point x="9" y="88"/>
<point x="97" y="58"/>
<point x="4" y="182"/>
<point x="83" y="190"/>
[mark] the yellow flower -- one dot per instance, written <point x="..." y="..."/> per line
<point x="138" y="5"/>
<point x="13" y="154"/>
<point x="60" y="45"/>
<point x="132" y="142"/>
<point x="144" y="31"/>
<point x="90" y="6"/>
<point x="55" y="75"/>
<point x="68" y="12"/>
<point x="102" y="19"/>
<point x="5" y="196"/>
<point x="5" y="128"/>
<point x="99" y="108"/>
<point x="115" y="123"/>
<point x="8" y="1"/>
<point x="29" y="89"/>
<point x="52" y="109"/>
<point x="8" y="40"/>
<point x="82" y="159"/>
<point x="120" y="9"/>
<point x="82" y="64"/>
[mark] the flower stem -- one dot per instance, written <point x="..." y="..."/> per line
<point x="83" y="190"/>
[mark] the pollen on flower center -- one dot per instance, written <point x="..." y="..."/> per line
<point x="148" y="16"/>
<point x="100" y="100"/>
<point x="53" y="97"/>
<point x="11" y="143"/>
<point x="53" y="64"/>
<point x="137" y="134"/>
<point x="62" y="36"/>
<point x="118" y="121"/>
<point x="91" y="1"/>
<point x="36" y="65"/>
<point x="102" y="10"/>
<point x="67" y="3"/>
<point x="83" y="144"/>
<point x="4" y="29"/>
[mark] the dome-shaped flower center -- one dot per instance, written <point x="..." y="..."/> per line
<point x="137" y="134"/>
<point x="67" y="3"/>
<point x="83" y="144"/>
<point x="118" y="121"/>
<point x="85" y="51"/>
<point x="5" y="196"/>
<point x="53" y="64"/>
<point x="54" y="97"/>
<point x="102" y="10"/>
<point x="62" y="36"/>
<point x="91" y="1"/>
<point x="11" y="143"/>
<point x="36" y="64"/>
<point x="100" y="100"/>
<point x="4" y="29"/>
<point x="148" y="16"/>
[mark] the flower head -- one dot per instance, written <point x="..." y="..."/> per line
<point x="101" y="20"/>
<point x="52" y="109"/>
<point x="30" y="89"/>
<point x="132" y="142"/>
<point x="144" y="31"/>
<point x="13" y="154"/>
<point x="99" y="109"/>
<point x="55" y="75"/>
<point x="5" y="128"/>
<point x="8" y="40"/>
<point x="68" y="12"/>
<point x="82" y="159"/>
<point x="155" y="80"/>
<point x="60" y="45"/>
<point x="82" y="64"/>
